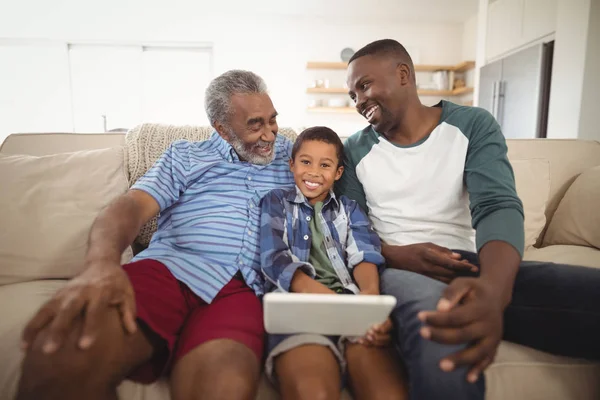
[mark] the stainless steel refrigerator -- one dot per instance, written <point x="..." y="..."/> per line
<point x="516" y="90"/>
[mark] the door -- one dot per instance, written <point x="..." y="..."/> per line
<point x="490" y="75"/>
<point x="521" y="88"/>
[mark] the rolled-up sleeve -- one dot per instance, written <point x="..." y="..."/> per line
<point x="166" y="180"/>
<point x="278" y="264"/>
<point x="363" y="245"/>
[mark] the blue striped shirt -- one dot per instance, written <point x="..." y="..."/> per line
<point x="285" y="237"/>
<point x="208" y="226"/>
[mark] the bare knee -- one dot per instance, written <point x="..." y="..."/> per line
<point x="220" y="369"/>
<point x="70" y="371"/>
<point x="310" y="387"/>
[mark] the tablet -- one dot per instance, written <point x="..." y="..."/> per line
<point x="326" y="314"/>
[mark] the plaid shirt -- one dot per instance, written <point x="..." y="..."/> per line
<point x="285" y="237"/>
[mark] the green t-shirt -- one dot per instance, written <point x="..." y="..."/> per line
<point x="318" y="255"/>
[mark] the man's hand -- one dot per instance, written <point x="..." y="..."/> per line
<point x="101" y="285"/>
<point x="379" y="335"/>
<point x="427" y="259"/>
<point x="470" y="311"/>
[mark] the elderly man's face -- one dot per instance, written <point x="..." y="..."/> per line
<point x="252" y="128"/>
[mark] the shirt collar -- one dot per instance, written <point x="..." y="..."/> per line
<point x="298" y="197"/>
<point x="224" y="148"/>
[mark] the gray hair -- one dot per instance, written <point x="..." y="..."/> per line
<point x="217" y="100"/>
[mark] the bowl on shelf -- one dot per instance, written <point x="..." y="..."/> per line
<point x="337" y="102"/>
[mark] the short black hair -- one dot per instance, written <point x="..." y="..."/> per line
<point x="386" y="47"/>
<point x="321" y="134"/>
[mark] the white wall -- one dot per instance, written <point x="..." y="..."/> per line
<point x="568" y="68"/>
<point x="588" y="125"/>
<point x="277" y="48"/>
<point x="469" y="38"/>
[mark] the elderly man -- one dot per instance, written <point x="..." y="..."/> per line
<point x="188" y="304"/>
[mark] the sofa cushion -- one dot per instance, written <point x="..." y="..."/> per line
<point x="565" y="254"/>
<point x="532" y="179"/>
<point x="47" y="207"/>
<point x="145" y="143"/>
<point x="577" y="218"/>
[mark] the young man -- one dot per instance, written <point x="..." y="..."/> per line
<point x="314" y="242"/>
<point x="440" y="193"/>
<point x="189" y="302"/>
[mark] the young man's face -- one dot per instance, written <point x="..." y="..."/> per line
<point x="252" y="128"/>
<point x="315" y="169"/>
<point x="376" y="85"/>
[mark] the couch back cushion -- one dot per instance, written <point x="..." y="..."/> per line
<point x="577" y="218"/>
<point x="43" y="144"/>
<point x="47" y="207"/>
<point x="144" y="145"/>
<point x="567" y="159"/>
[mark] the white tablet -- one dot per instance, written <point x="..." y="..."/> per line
<point x="326" y="314"/>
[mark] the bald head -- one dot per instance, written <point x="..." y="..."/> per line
<point x="387" y="49"/>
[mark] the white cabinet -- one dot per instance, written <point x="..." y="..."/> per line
<point x="514" y="23"/>
<point x="504" y="26"/>
<point x="539" y="19"/>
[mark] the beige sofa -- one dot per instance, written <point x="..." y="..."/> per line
<point x="545" y="170"/>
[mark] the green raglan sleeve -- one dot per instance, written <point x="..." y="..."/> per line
<point x="349" y="185"/>
<point x="496" y="210"/>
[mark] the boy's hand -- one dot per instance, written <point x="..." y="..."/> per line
<point x="379" y="335"/>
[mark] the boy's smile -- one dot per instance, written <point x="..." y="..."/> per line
<point x="315" y="169"/>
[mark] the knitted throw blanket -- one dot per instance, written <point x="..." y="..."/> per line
<point x="145" y="143"/>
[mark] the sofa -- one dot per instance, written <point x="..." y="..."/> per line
<point x="53" y="185"/>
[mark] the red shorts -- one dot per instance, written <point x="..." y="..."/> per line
<point x="184" y="321"/>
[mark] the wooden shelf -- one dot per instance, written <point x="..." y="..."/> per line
<point x="462" y="90"/>
<point x="427" y="92"/>
<point x="326" y="65"/>
<point x="462" y="67"/>
<point x="331" y="90"/>
<point x="421" y="92"/>
<point x="342" y="110"/>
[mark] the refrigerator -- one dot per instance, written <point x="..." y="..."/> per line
<point x="516" y="90"/>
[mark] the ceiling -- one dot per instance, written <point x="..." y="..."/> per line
<point x="455" y="11"/>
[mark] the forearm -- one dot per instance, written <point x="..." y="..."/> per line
<point x="114" y="229"/>
<point x="302" y="283"/>
<point x="499" y="265"/>
<point x="367" y="277"/>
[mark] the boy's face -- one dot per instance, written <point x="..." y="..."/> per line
<point x="315" y="169"/>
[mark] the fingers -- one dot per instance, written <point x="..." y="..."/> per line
<point x="127" y="310"/>
<point x="452" y="335"/>
<point x="473" y="355"/>
<point x="478" y="369"/>
<point x="455" y="318"/>
<point x="43" y="317"/>
<point x="69" y="310"/>
<point x="448" y="260"/>
<point x="454" y="293"/>
<point x="90" y="323"/>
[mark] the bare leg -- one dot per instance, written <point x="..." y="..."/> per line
<point x="92" y="374"/>
<point x="375" y="373"/>
<point x="309" y="372"/>
<point x="219" y="369"/>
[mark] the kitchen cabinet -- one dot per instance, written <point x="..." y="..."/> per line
<point x="514" y="23"/>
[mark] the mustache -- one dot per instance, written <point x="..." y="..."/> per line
<point x="262" y="143"/>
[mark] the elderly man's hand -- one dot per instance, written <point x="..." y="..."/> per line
<point x="102" y="285"/>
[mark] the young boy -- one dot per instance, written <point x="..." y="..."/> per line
<point x="314" y="242"/>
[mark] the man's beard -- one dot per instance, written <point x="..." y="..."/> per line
<point x="248" y="152"/>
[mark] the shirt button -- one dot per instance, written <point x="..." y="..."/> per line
<point x="305" y="237"/>
<point x="241" y="262"/>
<point x="249" y="178"/>
<point x="250" y="233"/>
<point x="308" y="218"/>
<point x="251" y="205"/>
